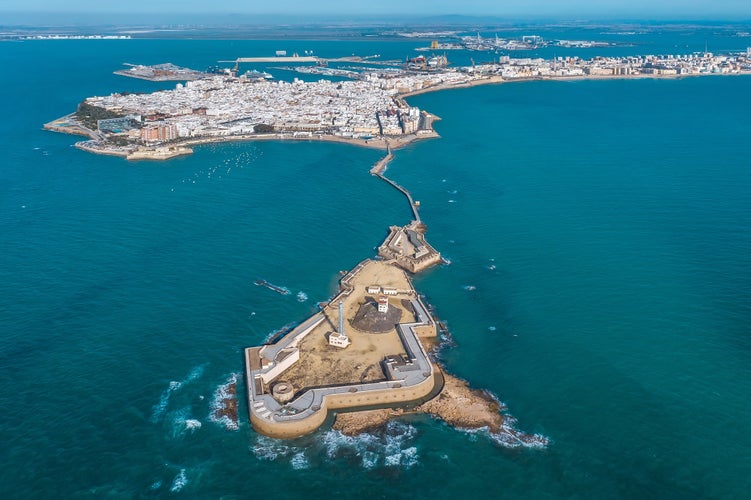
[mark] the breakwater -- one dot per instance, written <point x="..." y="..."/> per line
<point x="380" y="167"/>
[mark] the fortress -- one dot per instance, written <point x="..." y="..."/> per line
<point x="363" y="349"/>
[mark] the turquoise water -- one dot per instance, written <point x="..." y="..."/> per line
<point x="604" y="226"/>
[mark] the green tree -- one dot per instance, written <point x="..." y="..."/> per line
<point x="262" y="128"/>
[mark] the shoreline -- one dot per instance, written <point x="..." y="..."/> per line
<point x="457" y="405"/>
<point x="185" y="145"/>
<point x="69" y="125"/>
<point x="380" y="143"/>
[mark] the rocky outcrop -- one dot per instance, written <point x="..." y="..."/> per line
<point x="354" y="423"/>
<point x="456" y="404"/>
<point x="460" y="406"/>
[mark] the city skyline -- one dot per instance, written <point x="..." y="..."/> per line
<point x="165" y="10"/>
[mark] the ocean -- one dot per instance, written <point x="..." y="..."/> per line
<point x="599" y="234"/>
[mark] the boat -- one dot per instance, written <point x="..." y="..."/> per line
<point x="254" y="74"/>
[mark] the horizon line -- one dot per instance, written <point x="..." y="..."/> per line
<point x="47" y="18"/>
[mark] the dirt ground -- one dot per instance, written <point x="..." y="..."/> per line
<point x="321" y="364"/>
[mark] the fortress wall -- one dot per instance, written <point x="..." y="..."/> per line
<point x="381" y="397"/>
<point x="290" y="428"/>
<point x="425" y="330"/>
<point x="299" y="427"/>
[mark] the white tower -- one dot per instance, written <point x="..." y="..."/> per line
<point x="339" y="339"/>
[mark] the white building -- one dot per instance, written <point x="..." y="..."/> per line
<point x="339" y="340"/>
<point x="383" y="304"/>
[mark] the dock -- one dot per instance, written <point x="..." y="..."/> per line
<point x="274" y="59"/>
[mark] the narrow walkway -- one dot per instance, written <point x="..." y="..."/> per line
<point x="380" y="167"/>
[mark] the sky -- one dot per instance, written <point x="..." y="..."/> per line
<point x="563" y="9"/>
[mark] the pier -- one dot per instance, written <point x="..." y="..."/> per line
<point x="405" y="246"/>
<point x="380" y="167"/>
<point x="274" y="59"/>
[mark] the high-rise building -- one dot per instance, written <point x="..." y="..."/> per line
<point x="159" y="132"/>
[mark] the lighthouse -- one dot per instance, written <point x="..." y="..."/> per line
<point x="339" y="339"/>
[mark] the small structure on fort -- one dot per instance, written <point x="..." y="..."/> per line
<point x="375" y="316"/>
<point x="339" y="338"/>
<point x="282" y="392"/>
<point x="406" y="247"/>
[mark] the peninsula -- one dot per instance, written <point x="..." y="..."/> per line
<point x="366" y="356"/>
<point x="369" y="110"/>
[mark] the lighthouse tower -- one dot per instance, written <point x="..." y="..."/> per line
<point x="341" y="319"/>
<point x="339" y="339"/>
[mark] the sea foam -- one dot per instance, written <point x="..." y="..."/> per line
<point x="387" y="447"/>
<point x="222" y="394"/>
<point x="160" y="408"/>
<point x="179" y="482"/>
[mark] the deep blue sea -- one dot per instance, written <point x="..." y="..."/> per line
<point x="600" y="285"/>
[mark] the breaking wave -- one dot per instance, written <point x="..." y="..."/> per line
<point x="270" y="449"/>
<point x="179" y="482"/>
<point x="300" y="461"/>
<point x="279" y="332"/>
<point x="224" y="404"/>
<point x="160" y="408"/>
<point x="182" y="423"/>
<point x="192" y="424"/>
<point x="390" y="447"/>
<point x="510" y="437"/>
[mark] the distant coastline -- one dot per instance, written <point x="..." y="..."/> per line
<point x="369" y="130"/>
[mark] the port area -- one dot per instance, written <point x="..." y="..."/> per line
<point x="166" y="72"/>
<point x="295" y="382"/>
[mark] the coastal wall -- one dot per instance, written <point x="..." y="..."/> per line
<point x="288" y="429"/>
<point x="292" y="428"/>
